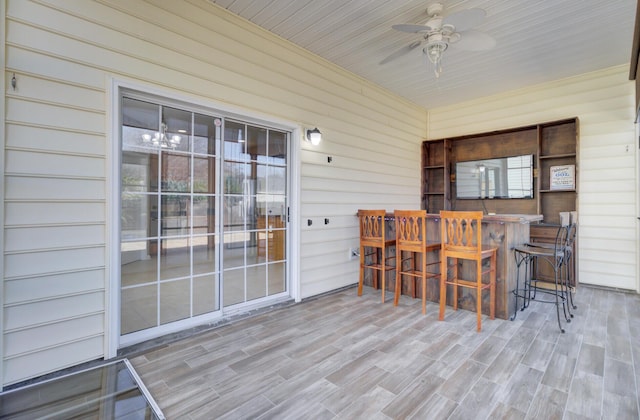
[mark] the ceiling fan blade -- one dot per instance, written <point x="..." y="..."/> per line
<point x="465" y="19"/>
<point x="475" y="41"/>
<point x="408" y="27"/>
<point x="402" y="51"/>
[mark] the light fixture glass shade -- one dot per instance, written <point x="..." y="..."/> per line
<point x="434" y="51"/>
<point x="314" y="136"/>
<point x="160" y="139"/>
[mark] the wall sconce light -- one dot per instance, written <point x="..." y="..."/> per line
<point x="314" y="136"/>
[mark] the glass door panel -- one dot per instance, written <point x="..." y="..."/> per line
<point x="255" y="225"/>
<point x="168" y="237"/>
<point x="179" y="170"/>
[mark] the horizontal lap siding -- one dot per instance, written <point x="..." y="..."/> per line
<point x="56" y="174"/>
<point x="607" y="199"/>
<point x="54" y="253"/>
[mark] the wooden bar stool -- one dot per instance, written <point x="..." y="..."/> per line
<point x="461" y="238"/>
<point x="412" y="248"/>
<point x="373" y="248"/>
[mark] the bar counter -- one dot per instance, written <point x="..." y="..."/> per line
<point x="505" y="231"/>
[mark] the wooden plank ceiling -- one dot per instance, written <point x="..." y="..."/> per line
<point x="536" y="41"/>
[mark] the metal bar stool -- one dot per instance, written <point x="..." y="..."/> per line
<point x="557" y="256"/>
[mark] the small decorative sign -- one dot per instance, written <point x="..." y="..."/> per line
<point x="563" y="177"/>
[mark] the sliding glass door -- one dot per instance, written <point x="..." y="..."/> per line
<point x="202" y="216"/>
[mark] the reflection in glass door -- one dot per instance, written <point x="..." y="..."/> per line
<point x="180" y="261"/>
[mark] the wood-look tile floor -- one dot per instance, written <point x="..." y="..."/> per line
<point x="344" y="356"/>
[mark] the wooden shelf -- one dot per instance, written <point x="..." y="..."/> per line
<point x="561" y="156"/>
<point x="558" y="191"/>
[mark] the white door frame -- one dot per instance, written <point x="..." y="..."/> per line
<point x="112" y="255"/>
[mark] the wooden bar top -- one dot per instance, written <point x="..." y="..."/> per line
<point x="500" y="218"/>
<point x="512" y="218"/>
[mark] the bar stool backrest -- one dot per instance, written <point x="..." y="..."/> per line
<point x="461" y="232"/>
<point x="411" y="232"/>
<point x="562" y="240"/>
<point x="572" y="230"/>
<point x="372" y="228"/>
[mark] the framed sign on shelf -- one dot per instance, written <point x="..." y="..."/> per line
<point x="563" y="177"/>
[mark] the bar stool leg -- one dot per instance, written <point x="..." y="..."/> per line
<point x="398" y="288"/>
<point x="556" y="267"/>
<point x="455" y="285"/>
<point x="376" y="282"/>
<point x="564" y="275"/>
<point x="515" y="291"/>
<point x="443" y="288"/>
<point x="522" y="257"/>
<point x="479" y="295"/>
<point x="424" y="282"/>
<point x="570" y="276"/>
<point x="361" y="280"/>
<point x="383" y="273"/>
<point x="492" y="287"/>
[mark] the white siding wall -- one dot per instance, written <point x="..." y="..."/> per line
<point x="603" y="101"/>
<point x="56" y="231"/>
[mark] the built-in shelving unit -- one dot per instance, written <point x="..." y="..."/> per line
<point x="553" y="144"/>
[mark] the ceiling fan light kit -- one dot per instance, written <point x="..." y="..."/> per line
<point x="434" y="51"/>
<point x="441" y="31"/>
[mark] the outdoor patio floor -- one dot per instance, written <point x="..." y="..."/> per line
<point x="344" y="356"/>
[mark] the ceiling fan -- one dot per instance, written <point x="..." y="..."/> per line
<point x="441" y="31"/>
